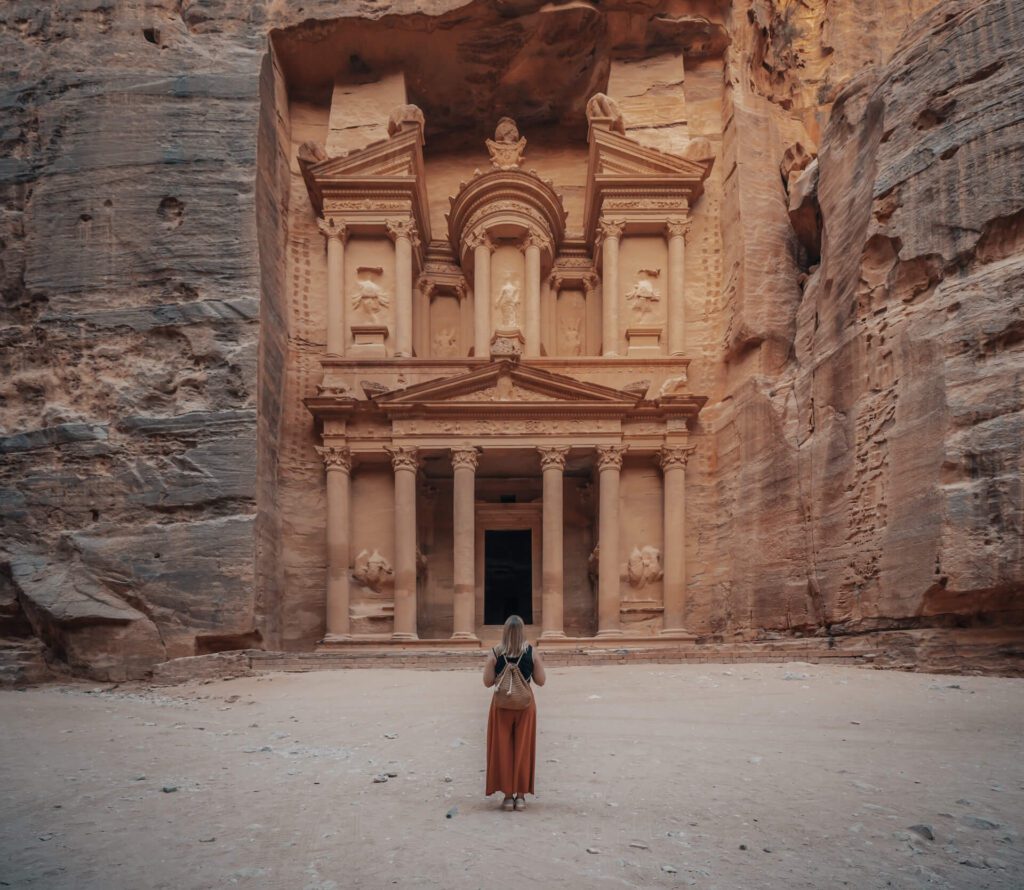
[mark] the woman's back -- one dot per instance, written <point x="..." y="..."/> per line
<point x="525" y="662"/>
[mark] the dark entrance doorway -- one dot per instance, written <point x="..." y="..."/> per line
<point x="508" y="575"/>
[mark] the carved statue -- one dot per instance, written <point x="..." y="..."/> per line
<point x="405" y="114"/>
<point x="642" y="297"/>
<point x="508" y="304"/>
<point x="370" y="298"/>
<point x="507" y="147"/>
<point x="506" y="131"/>
<point x="421" y="566"/>
<point x="594" y="566"/>
<point x="602" y="107"/>
<point x="311" y="152"/>
<point x="372" y="570"/>
<point x="644" y="566"/>
<point x="446" y="342"/>
<point x="572" y="336"/>
<point x="673" y="386"/>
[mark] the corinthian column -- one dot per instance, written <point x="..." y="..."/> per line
<point x="403" y="461"/>
<point x="611" y="232"/>
<point x="482" y="248"/>
<point x="552" y="462"/>
<point x="335" y="232"/>
<point x="609" y="463"/>
<point x="675" y="231"/>
<point x="673" y="465"/>
<point x="464" y="461"/>
<point x="532" y="331"/>
<point x="403" y="231"/>
<point x="339" y="468"/>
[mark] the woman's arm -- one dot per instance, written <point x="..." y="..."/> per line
<point x="492" y="662"/>
<point x="539" y="677"/>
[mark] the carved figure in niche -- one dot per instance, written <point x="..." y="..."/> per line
<point x="508" y="304"/>
<point x="507" y="147"/>
<point x="405" y="114"/>
<point x="372" y="570"/>
<point x="644" y="566"/>
<point x="446" y="343"/>
<point x="421" y="566"/>
<point x="594" y="566"/>
<point x="643" y="295"/>
<point x="370" y="299"/>
<point x="602" y="107"/>
<point x="673" y="386"/>
<point x="572" y="337"/>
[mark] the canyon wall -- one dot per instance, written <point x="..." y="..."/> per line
<point x="858" y="328"/>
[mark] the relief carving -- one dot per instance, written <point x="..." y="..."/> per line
<point x="508" y="304"/>
<point x="446" y="343"/>
<point x="673" y="386"/>
<point x="372" y="570"/>
<point x="643" y="295"/>
<point x="507" y="147"/>
<point x="572" y="337"/>
<point x="675" y="456"/>
<point x="335" y="457"/>
<point x="466" y="456"/>
<point x="370" y="299"/>
<point x="552" y="456"/>
<point x="331" y="228"/>
<point x="644" y="566"/>
<point x="339" y="389"/>
<point x="610" y="456"/>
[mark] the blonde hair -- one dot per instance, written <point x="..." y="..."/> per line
<point x="513" y="637"/>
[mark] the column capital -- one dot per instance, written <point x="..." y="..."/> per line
<point x="672" y="456"/>
<point x="335" y="457"/>
<point x="332" y="228"/>
<point x="553" y="456"/>
<point x="535" y="239"/>
<point x="402" y="228"/>
<point x="403" y="457"/>
<point x="610" y="228"/>
<point x="610" y="456"/>
<point x="465" y="456"/>
<point x="677" y="226"/>
<point x="479" y="238"/>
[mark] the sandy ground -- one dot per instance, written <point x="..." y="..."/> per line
<point x="713" y="776"/>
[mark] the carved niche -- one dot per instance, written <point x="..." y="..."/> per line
<point x="372" y="570"/>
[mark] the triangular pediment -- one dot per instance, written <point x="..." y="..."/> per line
<point x="617" y="155"/>
<point x="505" y="384"/>
<point x="399" y="155"/>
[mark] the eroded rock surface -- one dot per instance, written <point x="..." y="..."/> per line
<point x="863" y="460"/>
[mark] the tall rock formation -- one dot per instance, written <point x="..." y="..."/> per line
<point x="862" y="338"/>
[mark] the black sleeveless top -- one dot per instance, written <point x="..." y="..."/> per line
<point x="525" y="664"/>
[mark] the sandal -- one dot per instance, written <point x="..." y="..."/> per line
<point x="508" y="804"/>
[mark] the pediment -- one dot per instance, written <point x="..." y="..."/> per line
<point x="501" y="386"/>
<point x="617" y="155"/>
<point x="400" y="155"/>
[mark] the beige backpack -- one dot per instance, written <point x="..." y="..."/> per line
<point x="511" y="691"/>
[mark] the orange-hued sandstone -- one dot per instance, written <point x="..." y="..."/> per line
<point x="664" y="322"/>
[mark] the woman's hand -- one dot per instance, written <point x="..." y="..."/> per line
<point x="489" y="667"/>
<point x="539" y="677"/>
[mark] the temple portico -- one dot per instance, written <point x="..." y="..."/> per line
<point x="504" y="412"/>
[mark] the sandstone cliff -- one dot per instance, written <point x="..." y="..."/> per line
<point x="864" y="350"/>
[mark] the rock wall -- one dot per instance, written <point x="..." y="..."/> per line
<point x="863" y="349"/>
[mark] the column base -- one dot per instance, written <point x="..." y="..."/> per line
<point x="404" y="637"/>
<point x="464" y="635"/>
<point x="336" y="638"/>
<point x="553" y="635"/>
<point x="611" y="632"/>
<point x="610" y="355"/>
<point x="676" y="633"/>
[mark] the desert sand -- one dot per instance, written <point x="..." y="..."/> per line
<point x="713" y="776"/>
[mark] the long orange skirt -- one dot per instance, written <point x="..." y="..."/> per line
<point x="511" y="750"/>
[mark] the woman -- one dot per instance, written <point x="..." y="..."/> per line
<point x="512" y="735"/>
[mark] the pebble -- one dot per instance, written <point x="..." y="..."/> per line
<point x="924" y="831"/>
<point x="380" y="778"/>
<point x="448" y="779"/>
<point x="791" y="676"/>
<point x="743" y="846"/>
<point x="593" y="850"/>
<point x="451" y="813"/>
<point x="169" y="789"/>
<point x="668" y="869"/>
<point x="391" y="735"/>
<point x="391" y="775"/>
<point x="978" y="822"/>
<point x="640" y="846"/>
<point x="207" y="840"/>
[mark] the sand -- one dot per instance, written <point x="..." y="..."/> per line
<point x="712" y="776"/>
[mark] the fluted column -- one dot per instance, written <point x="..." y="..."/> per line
<point x="482" y="248"/>
<point x="552" y="462"/>
<point x="403" y="461"/>
<point x="464" y="461"/>
<point x="532" y="332"/>
<point x="675" y="231"/>
<point x="335" y="234"/>
<point x="673" y="466"/>
<point x="338" y="461"/>
<point x="403" y="231"/>
<point x="609" y="463"/>
<point x="611" y="232"/>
